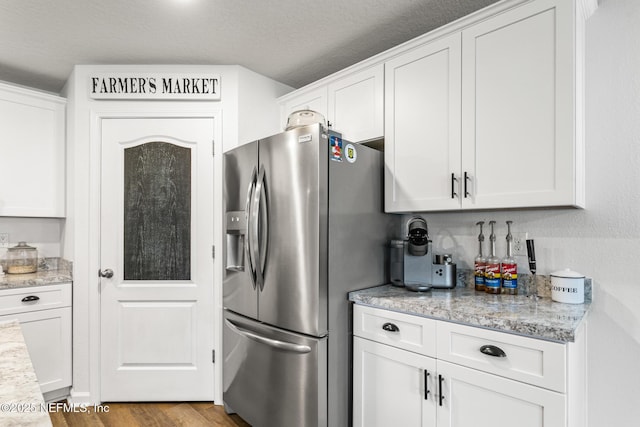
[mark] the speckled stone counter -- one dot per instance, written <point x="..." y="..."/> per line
<point x="21" y="402"/>
<point x="50" y="272"/>
<point x="539" y="318"/>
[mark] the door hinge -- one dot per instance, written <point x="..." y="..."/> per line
<point x="213" y="251"/>
<point x="213" y="147"/>
<point x="213" y="356"/>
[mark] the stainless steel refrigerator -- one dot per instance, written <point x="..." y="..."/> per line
<point x="304" y="226"/>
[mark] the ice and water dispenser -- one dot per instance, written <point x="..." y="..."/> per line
<point x="236" y="234"/>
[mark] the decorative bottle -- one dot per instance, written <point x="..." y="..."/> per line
<point x="492" y="280"/>
<point x="480" y="262"/>
<point x="509" y="267"/>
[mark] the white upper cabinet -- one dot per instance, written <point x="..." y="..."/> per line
<point x="353" y="103"/>
<point x="32" y="153"/>
<point x="422" y="126"/>
<point x="488" y="116"/>
<point x="518" y="91"/>
<point x="356" y="107"/>
<point x="313" y="99"/>
<point x="483" y="113"/>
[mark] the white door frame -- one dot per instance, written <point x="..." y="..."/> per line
<point x="94" y="226"/>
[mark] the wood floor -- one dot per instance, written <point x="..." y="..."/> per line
<point x="165" y="414"/>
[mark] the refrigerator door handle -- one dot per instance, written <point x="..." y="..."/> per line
<point x="249" y="243"/>
<point x="259" y="229"/>
<point x="281" y="345"/>
<point x="263" y="214"/>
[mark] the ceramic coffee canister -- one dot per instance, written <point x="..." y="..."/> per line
<point x="567" y="286"/>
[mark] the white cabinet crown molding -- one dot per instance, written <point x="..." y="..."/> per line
<point x="35" y="93"/>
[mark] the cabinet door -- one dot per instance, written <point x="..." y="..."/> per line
<point x="356" y="105"/>
<point x="392" y="387"/>
<point x="475" y="398"/>
<point x="518" y="108"/>
<point x="313" y="99"/>
<point x="32" y="143"/>
<point x="422" y="127"/>
<point x="47" y="334"/>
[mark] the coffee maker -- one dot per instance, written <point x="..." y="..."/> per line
<point x="413" y="264"/>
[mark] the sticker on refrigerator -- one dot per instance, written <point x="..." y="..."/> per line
<point x="305" y="138"/>
<point x="350" y="153"/>
<point x="336" y="148"/>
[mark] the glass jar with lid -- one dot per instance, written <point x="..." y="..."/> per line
<point x="22" y="258"/>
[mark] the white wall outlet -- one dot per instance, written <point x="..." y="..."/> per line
<point x="519" y="244"/>
<point x="4" y="240"/>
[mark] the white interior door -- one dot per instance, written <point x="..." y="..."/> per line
<point x="156" y="237"/>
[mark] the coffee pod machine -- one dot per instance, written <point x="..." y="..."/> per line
<point x="413" y="264"/>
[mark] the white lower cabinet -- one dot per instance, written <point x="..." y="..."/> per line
<point x="44" y="313"/>
<point x="392" y="387"/>
<point x="456" y="376"/>
<point x="477" y="399"/>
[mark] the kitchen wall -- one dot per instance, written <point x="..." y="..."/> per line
<point x="602" y="241"/>
<point x="43" y="233"/>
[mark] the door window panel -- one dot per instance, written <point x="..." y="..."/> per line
<point x="157" y="212"/>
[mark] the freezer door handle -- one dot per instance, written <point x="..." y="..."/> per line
<point x="281" y="345"/>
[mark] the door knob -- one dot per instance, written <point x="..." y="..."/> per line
<point x="108" y="273"/>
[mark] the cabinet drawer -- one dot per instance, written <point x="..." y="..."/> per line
<point x="34" y="298"/>
<point x="400" y="330"/>
<point x="529" y="360"/>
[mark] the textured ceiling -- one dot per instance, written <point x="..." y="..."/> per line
<point x="292" y="41"/>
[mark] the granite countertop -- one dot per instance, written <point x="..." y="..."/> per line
<point x="50" y="272"/>
<point x="21" y="402"/>
<point x="538" y="318"/>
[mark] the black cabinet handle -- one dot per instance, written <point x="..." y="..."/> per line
<point x="466" y="178"/>
<point x="441" y="398"/>
<point x="30" y="298"/>
<point x="453" y="186"/>
<point x="492" y="350"/>
<point x="426" y="385"/>
<point x="390" y="327"/>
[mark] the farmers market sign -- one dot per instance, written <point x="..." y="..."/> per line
<point x="155" y="86"/>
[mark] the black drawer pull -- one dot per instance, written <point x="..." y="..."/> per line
<point x="390" y="327"/>
<point x="492" y="350"/>
<point x="30" y="298"/>
<point x="440" y="381"/>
